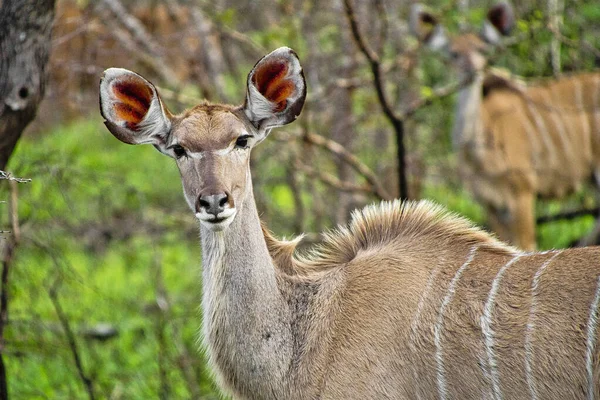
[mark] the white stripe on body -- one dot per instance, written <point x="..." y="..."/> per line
<point x="596" y="104"/>
<point x="417" y="318"/>
<point x="531" y="326"/>
<point x="556" y="115"/>
<point x="591" y="341"/>
<point x="585" y="122"/>
<point x="441" y="377"/>
<point x="488" y="333"/>
<point x="542" y="130"/>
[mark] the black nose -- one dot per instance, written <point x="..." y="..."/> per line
<point x="212" y="203"/>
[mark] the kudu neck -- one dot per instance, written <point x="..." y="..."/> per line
<point x="246" y="323"/>
<point x="467" y="118"/>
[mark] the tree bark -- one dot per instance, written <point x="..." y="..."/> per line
<point x="25" y="30"/>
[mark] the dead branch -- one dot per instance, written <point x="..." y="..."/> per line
<point x="334" y="182"/>
<point x="349" y="158"/>
<point x="383" y="29"/>
<point x="133" y="36"/>
<point x="396" y="121"/>
<point x="580" y="44"/>
<point x="66" y="326"/>
<point x="437" y="94"/>
<point x="134" y="26"/>
<point x="8" y="176"/>
<point x="567" y="215"/>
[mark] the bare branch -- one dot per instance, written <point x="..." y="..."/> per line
<point x="349" y="158"/>
<point x="567" y="215"/>
<point x="333" y="181"/>
<point x="437" y="94"/>
<point x="395" y="120"/>
<point x="64" y="321"/>
<point x="134" y="36"/>
<point x="10" y="177"/>
<point x="580" y="44"/>
<point x="134" y="26"/>
<point x="383" y="29"/>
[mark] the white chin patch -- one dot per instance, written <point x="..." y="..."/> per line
<point x="218" y="223"/>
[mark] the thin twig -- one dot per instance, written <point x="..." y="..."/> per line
<point x="8" y="176"/>
<point x="349" y="158"/>
<point x="437" y="94"/>
<point x="132" y="35"/>
<point x="394" y="119"/>
<point x="574" y="43"/>
<point x="333" y="181"/>
<point x="567" y="215"/>
<point x="64" y="321"/>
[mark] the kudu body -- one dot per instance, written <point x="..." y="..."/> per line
<point x="406" y="302"/>
<point x="516" y="141"/>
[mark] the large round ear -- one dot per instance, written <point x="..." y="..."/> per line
<point x="426" y="28"/>
<point x="275" y="90"/>
<point x="132" y="109"/>
<point x="500" y="21"/>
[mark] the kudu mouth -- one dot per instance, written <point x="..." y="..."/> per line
<point x="216" y="222"/>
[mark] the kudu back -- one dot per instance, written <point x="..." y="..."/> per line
<point x="407" y="301"/>
<point x="516" y="141"/>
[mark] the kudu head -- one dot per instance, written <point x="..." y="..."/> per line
<point x="468" y="51"/>
<point x="210" y="143"/>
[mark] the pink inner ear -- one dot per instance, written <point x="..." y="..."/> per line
<point x="133" y="98"/>
<point x="269" y="79"/>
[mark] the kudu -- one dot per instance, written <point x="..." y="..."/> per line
<point x="406" y="302"/>
<point x="516" y="141"/>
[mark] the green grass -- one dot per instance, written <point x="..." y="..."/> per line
<point x="105" y="225"/>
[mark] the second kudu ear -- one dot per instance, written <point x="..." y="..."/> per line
<point x="500" y="21"/>
<point x="426" y="28"/>
<point x="275" y="90"/>
<point x="132" y="109"/>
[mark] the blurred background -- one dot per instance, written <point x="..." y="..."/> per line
<point x="103" y="296"/>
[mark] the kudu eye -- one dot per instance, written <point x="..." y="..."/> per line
<point x="242" y="142"/>
<point x="178" y="150"/>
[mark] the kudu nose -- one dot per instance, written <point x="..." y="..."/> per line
<point x="213" y="203"/>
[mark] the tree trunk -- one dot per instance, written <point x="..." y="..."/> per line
<point x="25" y="29"/>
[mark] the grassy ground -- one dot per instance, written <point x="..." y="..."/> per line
<point x="107" y="231"/>
<point x="106" y="228"/>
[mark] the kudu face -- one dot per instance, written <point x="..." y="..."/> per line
<point x="467" y="52"/>
<point x="210" y="143"/>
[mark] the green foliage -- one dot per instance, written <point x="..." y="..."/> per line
<point x="105" y="224"/>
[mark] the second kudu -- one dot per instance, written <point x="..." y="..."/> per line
<point x="516" y="141"/>
<point x="406" y="302"/>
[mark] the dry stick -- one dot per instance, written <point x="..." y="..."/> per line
<point x="567" y="215"/>
<point x="9" y="251"/>
<point x="351" y="160"/>
<point x="396" y="121"/>
<point x="437" y="94"/>
<point x="574" y="43"/>
<point x="64" y="321"/>
<point x="134" y="36"/>
<point x="333" y="181"/>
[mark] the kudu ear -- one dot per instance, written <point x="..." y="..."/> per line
<point x="500" y="21"/>
<point x="426" y="28"/>
<point x="276" y="90"/>
<point x="132" y="109"/>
